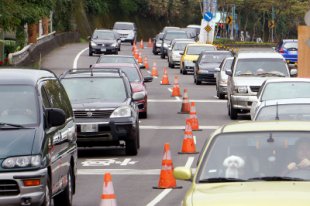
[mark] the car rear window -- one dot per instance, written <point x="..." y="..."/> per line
<point x="289" y="45"/>
<point x="176" y="35"/>
<point x="196" y="50"/>
<point x="213" y="58"/>
<point x="95" y="89"/>
<point x="116" y="59"/>
<point x="123" y="26"/>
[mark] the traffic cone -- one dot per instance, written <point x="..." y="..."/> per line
<point x="186" y="107"/>
<point x="134" y="47"/>
<point x="136" y="54"/>
<point x="193" y="118"/>
<point x="108" y="197"/>
<point x="140" y="58"/>
<point x="165" y="79"/>
<point x="150" y="43"/>
<point x="176" y="89"/>
<point x="154" y="72"/>
<point x="141" y="44"/>
<point x="166" y="178"/>
<point x="188" y="146"/>
<point x="146" y="63"/>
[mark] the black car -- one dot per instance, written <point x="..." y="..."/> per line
<point x="157" y="43"/>
<point x="104" y="41"/>
<point x="104" y="108"/>
<point x="206" y="64"/>
<point x="38" y="159"/>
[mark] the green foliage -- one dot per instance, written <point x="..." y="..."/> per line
<point x="96" y="7"/>
<point x="128" y="6"/>
<point x="62" y="15"/>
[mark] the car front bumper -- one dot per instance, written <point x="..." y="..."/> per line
<point x="222" y="89"/>
<point x="34" y="195"/>
<point x="103" y="49"/>
<point x="242" y="102"/>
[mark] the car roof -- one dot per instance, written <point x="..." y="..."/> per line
<point x="123" y="22"/>
<point x="279" y="80"/>
<point x="290" y="40"/>
<point x="216" y="51"/>
<point x="23" y="75"/>
<point x="193" y="26"/>
<point x="285" y="101"/>
<point x="113" y="65"/>
<point x="89" y="72"/>
<point x="200" y="44"/>
<point x="264" y="126"/>
<point x="255" y="55"/>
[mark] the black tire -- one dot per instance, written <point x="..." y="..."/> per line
<point x="172" y="65"/>
<point x="119" y="48"/>
<point x="48" y="193"/>
<point x="116" y="52"/>
<point x="184" y="72"/>
<point x="162" y="55"/>
<point x="132" y="147"/>
<point x="221" y="96"/>
<point x="232" y="112"/>
<point x="131" y="42"/>
<point x="90" y="53"/>
<point x="198" y="82"/>
<point x="143" y="115"/>
<point x="65" y="197"/>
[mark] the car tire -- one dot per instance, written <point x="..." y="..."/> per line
<point x="221" y="96"/>
<point x="116" y="52"/>
<point x="198" y="82"/>
<point x="90" y="53"/>
<point x="232" y="112"/>
<point x="119" y="48"/>
<point x="48" y="193"/>
<point x="172" y="65"/>
<point x="131" y="42"/>
<point x="132" y="146"/>
<point x="162" y="55"/>
<point x="184" y="72"/>
<point x="65" y="197"/>
<point x="143" y="115"/>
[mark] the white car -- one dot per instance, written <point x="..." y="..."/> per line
<point x="281" y="88"/>
<point x="175" y="49"/>
<point x="221" y="77"/>
<point x="126" y="30"/>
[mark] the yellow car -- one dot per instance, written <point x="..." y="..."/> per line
<point x="252" y="163"/>
<point x="190" y="54"/>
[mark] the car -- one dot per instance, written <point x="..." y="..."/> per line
<point x="119" y="59"/>
<point x="157" y="43"/>
<point x="126" y="30"/>
<point x="136" y="80"/>
<point x="206" y="64"/>
<point x="221" y="77"/>
<point x="38" y="139"/>
<point x="283" y="88"/>
<point x="283" y="109"/>
<point x="247" y="74"/>
<point x="250" y="163"/>
<point x="195" y="27"/>
<point x="168" y="36"/>
<point x="177" y="46"/>
<point x="191" y="54"/>
<point x="166" y="28"/>
<point x="288" y="48"/>
<point x="104" y="108"/>
<point x="104" y="41"/>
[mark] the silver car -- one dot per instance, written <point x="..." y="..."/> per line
<point x="221" y="77"/>
<point x="175" y="49"/>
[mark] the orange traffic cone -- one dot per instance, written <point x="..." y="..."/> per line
<point x="166" y="179"/>
<point x="141" y="44"/>
<point x="140" y="61"/>
<point x="188" y="146"/>
<point x="146" y="63"/>
<point x="193" y="117"/>
<point x="154" y="70"/>
<point x="136" y="54"/>
<point x="186" y="107"/>
<point x="150" y="43"/>
<point x="134" y="47"/>
<point x="165" y="79"/>
<point x="176" y="89"/>
<point x="108" y="197"/>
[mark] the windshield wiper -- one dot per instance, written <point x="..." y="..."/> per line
<point x="2" y="124"/>
<point x="276" y="178"/>
<point x="220" y="179"/>
<point x="270" y="74"/>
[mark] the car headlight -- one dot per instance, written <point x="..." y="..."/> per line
<point x="22" y="161"/>
<point x="130" y="35"/>
<point x="114" y="45"/>
<point x="93" y="43"/>
<point x="242" y="89"/>
<point x="123" y="111"/>
<point x="166" y="45"/>
<point x="189" y="63"/>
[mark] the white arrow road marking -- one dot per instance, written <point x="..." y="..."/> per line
<point x="174" y="127"/>
<point x="107" y="162"/>
<point x="164" y="193"/>
<point x="77" y="58"/>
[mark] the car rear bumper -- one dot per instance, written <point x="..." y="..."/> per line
<point x="35" y="194"/>
<point x="206" y="77"/>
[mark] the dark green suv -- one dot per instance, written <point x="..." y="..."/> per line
<point x="38" y="150"/>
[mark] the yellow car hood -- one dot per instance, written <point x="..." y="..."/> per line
<point x="254" y="194"/>
<point x="191" y="57"/>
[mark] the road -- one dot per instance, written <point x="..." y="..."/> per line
<point x="134" y="177"/>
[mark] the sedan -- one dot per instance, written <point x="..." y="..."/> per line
<point x="221" y="77"/>
<point x="136" y="79"/>
<point x="175" y="49"/>
<point x="252" y="163"/>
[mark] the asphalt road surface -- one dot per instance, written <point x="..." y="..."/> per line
<point x="134" y="176"/>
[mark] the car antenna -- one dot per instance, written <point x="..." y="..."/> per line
<point x="277" y="112"/>
<point x="91" y="72"/>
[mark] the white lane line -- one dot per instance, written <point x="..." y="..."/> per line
<point x="118" y="171"/>
<point x="164" y="193"/>
<point x="77" y="58"/>
<point x="175" y="127"/>
<point x="178" y="98"/>
<point x="194" y="137"/>
<point x="169" y="89"/>
<point x="191" y="100"/>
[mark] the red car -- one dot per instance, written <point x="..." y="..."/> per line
<point x="136" y="80"/>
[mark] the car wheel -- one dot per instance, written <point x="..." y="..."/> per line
<point x="172" y="65"/>
<point x="132" y="146"/>
<point x="65" y="197"/>
<point x="184" y="72"/>
<point x="119" y="48"/>
<point x="48" y="193"/>
<point x="232" y="112"/>
<point x="162" y="55"/>
<point x="143" y="115"/>
<point x="131" y="42"/>
<point x="221" y="96"/>
<point x="90" y="53"/>
<point x="198" y="82"/>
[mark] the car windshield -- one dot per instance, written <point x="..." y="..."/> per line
<point x="290" y="45"/>
<point x="178" y="46"/>
<point x="284" y="112"/>
<point x="256" y="156"/>
<point x="103" y="35"/>
<point x="18" y="105"/>
<point x="176" y="35"/>
<point x="92" y="89"/>
<point x="213" y="58"/>
<point x="196" y="50"/>
<point x="123" y="26"/>
<point x="286" y="90"/>
<point x="261" y="67"/>
<point x="115" y="59"/>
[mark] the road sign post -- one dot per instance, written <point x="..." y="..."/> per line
<point x="303" y="51"/>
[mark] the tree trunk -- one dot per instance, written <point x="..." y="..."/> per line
<point x="45" y="21"/>
<point x="32" y="33"/>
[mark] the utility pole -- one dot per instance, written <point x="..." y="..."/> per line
<point x="233" y="8"/>
<point x="272" y="19"/>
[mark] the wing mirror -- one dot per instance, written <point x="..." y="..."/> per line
<point x="148" y="79"/>
<point x="217" y="69"/>
<point x="55" y="117"/>
<point x="138" y="96"/>
<point x="228" y="72"/>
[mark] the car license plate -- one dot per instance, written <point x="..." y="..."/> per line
<point x="103" y="49"/>
<point x="292" y="52"/>
<point x="89" y="128"/>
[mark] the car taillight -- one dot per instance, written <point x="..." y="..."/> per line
<point x="281" y="50"/>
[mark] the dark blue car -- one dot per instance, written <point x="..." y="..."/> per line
<point x="288" y="48"/>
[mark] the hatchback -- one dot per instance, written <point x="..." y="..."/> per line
<point x="288" y="48"/>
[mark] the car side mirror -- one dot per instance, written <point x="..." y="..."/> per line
<point x="293" y="72"/>
<point x="55" y="117"/>
<point x="228" y="72"/>
<point x="141" y="66"/>
<point x="89" y="37"/>
<point x="90" y="66"/>
<point x="217" y="69"/>
<point x="195" y="61"/>
<point x="181" y="53"/>
<point x="148" y="79"/>
<point x="138" y="96"/>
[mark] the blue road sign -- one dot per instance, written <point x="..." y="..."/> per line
<point x="208" y="16"/>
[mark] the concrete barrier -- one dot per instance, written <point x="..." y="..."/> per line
<point x="32" y="53"/>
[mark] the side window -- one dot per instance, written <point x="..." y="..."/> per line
<point x="58" y="97"/>
<point x="45" y="100"/>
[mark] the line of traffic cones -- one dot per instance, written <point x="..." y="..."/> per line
<point x="186" y="107"/>
<point x="165" y="79"/>
<point x="154" y="71"/>
<point x="108" y="198"/>
<point x="140" y="60"/>
<point x="188" y="146"/>
<point x="176" y="88"/>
